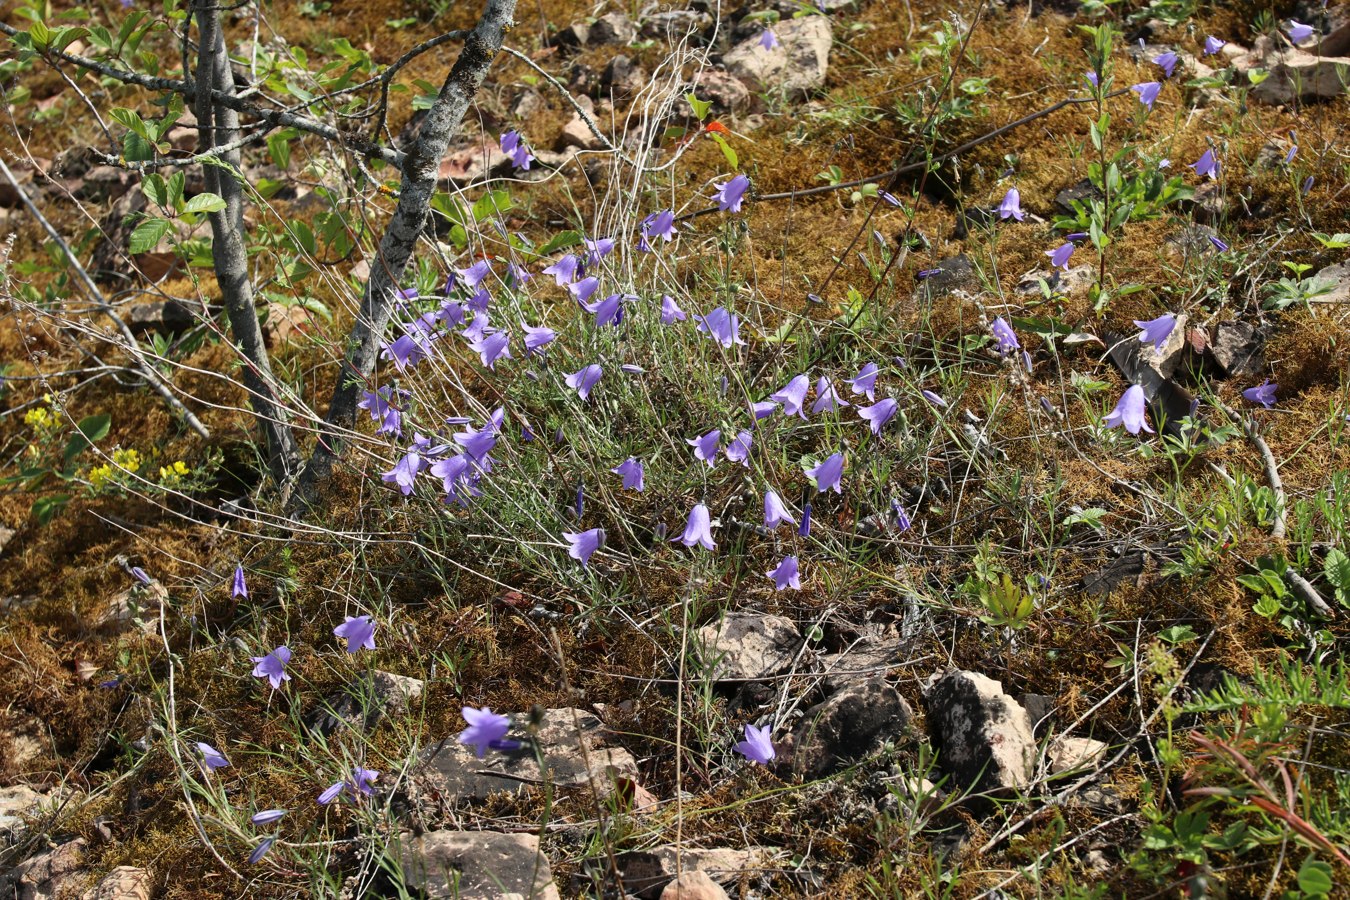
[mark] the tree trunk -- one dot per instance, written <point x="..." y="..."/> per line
<point x="420" y="168"/>
<point x="219" y="125"/>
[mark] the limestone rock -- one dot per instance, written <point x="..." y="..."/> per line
<point x="612" y="28"/>
<point x="366" y="701"/>
<point x="1298" y="74"/>
<point x="15" y="803"/>
<point x="748" y="646"/>
<point x="693" y="886"/>
<point x="984" y="737"/>
<point x="451" y="769"/>
<point x="646" y="873"/>
<point x="1238" y="348"/>
<point x="847" y="726"/>
<point x="472" y="162"/>
<point x="1075" y="281"/>
<point x="476" y="865"/>
<point x="1069" y="753"/>
<point x="950" y="274"/>
<point x="1335" y="278"/>
<point x="45" y="876"/>
<point x="122" y="883"/>
<point x="139" y="605"/>
<point x="165" y="316"/>
<point x="796" y="67"/>
<point x="728" y="95"/>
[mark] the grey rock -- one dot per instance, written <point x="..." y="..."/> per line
<point x="622" y="76"/>
<point x="1075" y="281"/>
<point x="576" y="133"/>
<point x="45" y="876"/>
<point x="365" y="702"/>
<point x="673" y="25"/>
<point x="6" y="535"/>
<point x="1239" y="348"/>
<point x="950" y="274"/>
<point x="797" y="67"/>
<point x="1336" y="279"/>
<point x="646" y="873"/>
<point x="16" y="802"/>
<point x="847" y="726"/>
<point x="528" y="105"/>
<point x="1067" y="754"/>
<point x="748" y="646"/>
<point x="1041" y="709"/>
<point x="476" y="865"/>
<point x="165" y="316"/>
<point x="1298" y="75"/>
<point x="472" y="162"/>
<point x="451" y="769"/>
<point x="122" y="883"/>
<point x="612" y="28"/>
<point x="984" y="737"/>
<point x="1207" y="205"/>
<point x="578" y="34"/>
<point x="858" y="664"/>
<point x="1082" y="192"/>
<point x="728" y="95"/>
<point x="693" y="886"/>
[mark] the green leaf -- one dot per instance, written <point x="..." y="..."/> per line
<point x="1314" y="877"/>
<point x="493" y="203"/>
<point x="1338" y="574"/>
<point x="88" y="432"/>
<point x="131" y="120"/>
<point x="148" y="234"/>
<point x="560" y="241"/>
<point x="156" y="189"/>
<point x="206" y="202"/>
<point x="732" y="159"/>
<point x="700" y="107"/>
<point x="177" y="181"/>
<point x="1092" y="517"/>
<point x="44" y="508"/>
<point x="279" y="146"/>
<point x="40" y="35"/>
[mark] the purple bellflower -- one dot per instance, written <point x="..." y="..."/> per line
<point x="659" y="225"/>
<point x="584" y="543"/>
<point x="1011" y="207"/>
<point x="1219" y="243"/>
<point x="583" y="380"/>
<point x="768" y="40"/>
<point x="564" y="271"/>
<point x="762" y="409"/>
<point x="608" y="311"/>
<point x="1263" y="393"/>
<point x="698" y="530"/>
<point x="934" y="399"/>
<point x="1156" y="331"/>
<point x="878" y="414"/>
<point x="380" y="404"/>
<point x="264" y="847"/>
<point x="1167" y="62"/>
<point x="536" y="338"/>
<point x="785" y="575"/>
<point x="827" y="398"/>
<point x="491" y="347"/>
<point x="631" y="472"/>
<point x="272" y="666"/>
<point x="775" y="513"/>
<point x="793" y="395"/>
<point x="584" y="289"/>
<point x="670" y="311"/>
<point x="267" y="816"/>
<point x="1212" y="45"/>
<point x="359" y="632"/>
<point x="212" y="757"/>
<point x="1206" y="165"/>
<point x="739" y="448"/>
<point x="722" y="326"/>
<point x="804" y="530"/>
<point x="1129" y="412"/>
<point x="706" y="446"/>
<point x="1006" y="337"/>
<point x="1298" y="32"/>
<point x="473" y="276"/>
<point x="865" y="381"/>
<point x="731" y="194"/>
<point x="1148" y="92"/>
<point x="757" y="746"/>
<point x="486" y="730"/>
<point x="828" y="473"/>
<point x="598" y="249"/>
<point x="1059" y="257"/>
<point x="240" y="587"/>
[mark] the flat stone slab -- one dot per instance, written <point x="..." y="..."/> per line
<point x="476" y="865"/>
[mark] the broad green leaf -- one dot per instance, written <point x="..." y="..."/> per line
<point x="205" y="203"/>
<point x="148" y="234"/>
<point x="131" y="120"/>
<point x="1314" y="877"/>
<point x="156" y="189"/>
<point x="732" y="159"/>
<point x="88" y="432"/>
<point x="493" y="203"/>
<point x="560" y="241"/>
<point x="700" y="107"/>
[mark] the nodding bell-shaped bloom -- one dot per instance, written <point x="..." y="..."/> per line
<point x="762" y="409"/>
<point x="659" y="225"/>
<point x="1212" y="45"/>
<point x="722" y="326"/>
<point x="139" y="574"/>
<point x="584" y="380"/>
<point x="332" y="792"/>
<point x="877" y="415"/>
<point x="706" y="446"/>
<point x="359" y="632"/>
<point x="1298" y="32"/>
<point x="631" y="472"/>
<point x="902" y="520"/>
<point x="1167" y="62"/>
<point x="1156" y="331"/>
<point x="775" y="513"/>
<point x="608" y="311"/>
<point x="739" y="448"/>
<point x="865" y="381"/>
<point x="785" y="574"/>
<point x="1129" y="412"/>
<point x="1093" y="79"/>
<point x="934" y="399"/>
<point x="584" y="289"/>
<point x="827" y="398"/>
<point x="538" y="338"/>
<point x="1263" y="393"/>
<point x="405" y="471"/>
<point x="1059" y="257"/>
<point x="240" y="587"/>
<point x="757" y="746"/>
<point x="363" y="781"/>
<point x="767" y="39"/>
<point x="474" y="275"/>
<point x="212" y="757"/>
<point x="1006" y="337"/>
<point x="380" y="404"/>
<point x="1148" y="92"/>
<point x="583" y="544"/>
<point x="486" y="729"/>
<point x="731" y="194"/>
<point x="828" y="473"/>
<point x="804" y="530"/>
<point x="405" y="351"/>
<point x="1011" y="207"/>
<point x="564" y="271"/>
<point x="793" y="395"/>
<point x="272" y="666"/>
<point x="491" y="347"/>
<point x="670" y="311"/>
<point x="698" y="530"/>
<point x="1206" y="165"/>
<point x="598" y="249"/>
